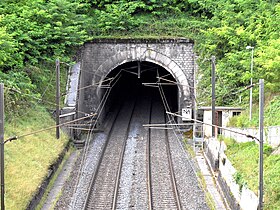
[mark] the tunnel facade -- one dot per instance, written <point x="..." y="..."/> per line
<point x="100" y="57"/>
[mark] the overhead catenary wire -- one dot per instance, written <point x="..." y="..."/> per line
<point x="40" y="99"/>
<point x="240" y="90"/>
<point x="86" y="147"/>
<point x="92" y="85"/>
<point x="171" y="119"/>
<point x="176" y="83"/>
<point x="223" y="128"/>
<point x="45" y="129"/>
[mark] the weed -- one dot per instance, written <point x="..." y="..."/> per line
<point x="245" y="158"/>
<point x="27" y="160"/>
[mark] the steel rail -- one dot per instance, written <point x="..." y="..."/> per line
<point x="93" y="179"/>
<point x="170" y="164"/>
<point x="172" y="173"/>
<point x="118" y="176"/>
<point x="148" y="165"/>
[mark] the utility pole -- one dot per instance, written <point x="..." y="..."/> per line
<point x="139" y="69"/>
<point x="261" y="116"/>
<point x="2" y="146"/>
<point x="57" y="96"/>
<point x="213" y="95"/>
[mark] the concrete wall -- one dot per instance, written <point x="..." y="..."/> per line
<point x="100" y="57"/>
<point x="271" y="135"/>
<point x="237" y="197"/>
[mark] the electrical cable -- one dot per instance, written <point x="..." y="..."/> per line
<point x="45" y="129"/>
<point x="88" y="86"/>
<point x="40" y="99"/>
<point x="216" y="126"/>
<point x="89" y="134"/>
<point x="177" y="137"/>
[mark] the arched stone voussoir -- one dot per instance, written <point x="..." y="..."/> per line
<point x="105" y="55"/>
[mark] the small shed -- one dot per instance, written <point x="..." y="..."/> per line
<point x="223" y="114"/>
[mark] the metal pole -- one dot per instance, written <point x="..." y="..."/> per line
<point x="261" y="116"/>
<point x="194" y="101"/>
<point x="213" y="94"/>
<point x="57" y="96"/>
<point x="139" y="69"/>
<point x="2" y="146"/>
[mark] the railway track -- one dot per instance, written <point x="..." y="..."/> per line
<point x="162" y="187"/>
<point x="138" y="168"/>
<point x="104" y="185"/>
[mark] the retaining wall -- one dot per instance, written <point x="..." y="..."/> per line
<point x="237" y="197"/>
<point x="272" y="135"/>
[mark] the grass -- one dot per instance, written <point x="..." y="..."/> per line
<point x="245" y="157"/>
<point x="189" y="147"/>
<point x="52" y="181"/>
<point x="153" y="27"/>
<point x="27" y="160"/>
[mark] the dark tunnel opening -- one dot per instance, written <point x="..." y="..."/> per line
<point x="142" y="80"/>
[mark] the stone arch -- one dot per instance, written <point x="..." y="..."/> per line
<point x="149" y="55"/>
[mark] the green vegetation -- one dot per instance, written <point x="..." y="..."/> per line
<point x="271" y="115"/>
<point x="244" y="157"/>
<point x="33" y="33"/>
<point x="52" y="181"/>
<point x="27" y="160"/>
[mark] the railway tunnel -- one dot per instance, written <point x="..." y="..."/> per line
<point x="134" y="82"/>
<point x="131" y="67"/>
<point x="139" y="81"/>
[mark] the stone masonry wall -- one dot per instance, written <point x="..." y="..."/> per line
<point x="100" y="57"/>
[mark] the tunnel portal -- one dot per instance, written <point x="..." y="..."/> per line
<point x="133" y="79"/>
<point x="138" y="65"/>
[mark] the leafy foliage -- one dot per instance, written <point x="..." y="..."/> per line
<point x="35" y="31"/>
<point x="7" y="47"/>
<point x="44" y="31"/>
<point x="19" y="92"/>
<point x="271" y="115"/>
<point x="116" y="17"/>
<point x="238" y="24"/>
<point x="245" y="158"/>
